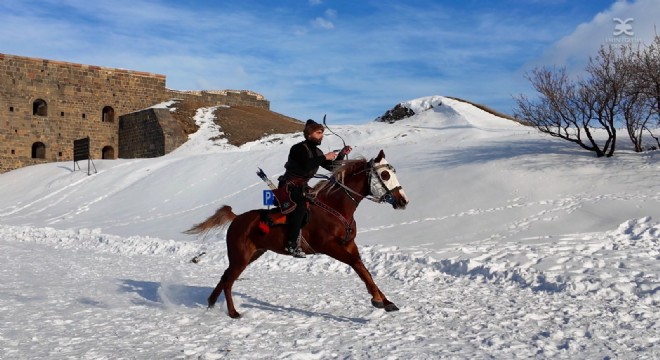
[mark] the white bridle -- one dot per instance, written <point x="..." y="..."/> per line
<point x="382" y="183"/>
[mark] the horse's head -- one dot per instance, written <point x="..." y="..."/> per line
<point x="383" y="183"/>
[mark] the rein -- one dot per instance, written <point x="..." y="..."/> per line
<point x="387" y="197"/>
<point x="348" y="190"/>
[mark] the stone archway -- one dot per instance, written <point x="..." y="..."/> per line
<point x="108" y="114"/>
<point x="108" y="152"/>
<point x="40" y="107"/>
<point x="38" y="150"/>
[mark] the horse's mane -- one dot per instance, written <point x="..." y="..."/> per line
<point x="342" y="167"/>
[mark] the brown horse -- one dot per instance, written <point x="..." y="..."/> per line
<point x="331" y="228"/>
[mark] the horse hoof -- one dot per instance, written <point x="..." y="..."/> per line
<point x="234" y="315"/>
<point x="377" y="304"/>
<point x="211" y="301"/>
<point x="391" y="307"/>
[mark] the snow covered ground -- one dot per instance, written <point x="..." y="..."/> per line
<point x="514" y="245"/>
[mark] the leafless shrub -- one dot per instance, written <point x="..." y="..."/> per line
<point x="621" y="87"/>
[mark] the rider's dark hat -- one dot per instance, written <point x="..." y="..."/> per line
<point x="311" y="126"/>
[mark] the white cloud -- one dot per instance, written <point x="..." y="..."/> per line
<point x="574" y="50"/>
<point x="315" y="2"/>
<point x="331" y="13"/>
<point x="323" y="23"/>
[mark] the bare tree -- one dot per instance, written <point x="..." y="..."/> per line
<point x="566" y="109"/>
<point x="646" y="63"/>
<point x="650" y="74"/>
<point x="621" y="87"/>
<point x="657" y="140"/>
<point x="609" y="78"/>
<point x="635" y="110"/>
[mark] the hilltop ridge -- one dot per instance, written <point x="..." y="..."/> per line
<point x="410" y="108"/>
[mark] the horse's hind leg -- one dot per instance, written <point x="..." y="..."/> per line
<point x="351" y="257"/>
<point x="239" y="260"/>
<point x="226" y="282"/>
<point x="257" y="254"/>
<point x="230" y="275"/>
<point x="241" y="251"/>
<point x="213" y="298"/>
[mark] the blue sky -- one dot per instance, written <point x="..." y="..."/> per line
<point x="351" y="60"/>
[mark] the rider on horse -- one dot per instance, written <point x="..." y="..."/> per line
<point x="304" y="160"/>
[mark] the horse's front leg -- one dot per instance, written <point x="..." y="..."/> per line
<point x="378" y="299"/>
<point x="351" y="256"/>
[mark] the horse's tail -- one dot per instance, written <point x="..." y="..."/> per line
<point x="222" y="217"/>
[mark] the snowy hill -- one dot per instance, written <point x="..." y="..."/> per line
<point x="513" y="245"/>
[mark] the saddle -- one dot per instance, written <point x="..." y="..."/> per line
<point x="286" y="205"/>
<point x="282" y="194"/>
<point x="269" y="218"/>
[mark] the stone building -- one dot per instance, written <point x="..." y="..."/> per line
<point x="45" y="105"/>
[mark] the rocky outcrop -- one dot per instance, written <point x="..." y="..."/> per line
<point x="399" y="112"/>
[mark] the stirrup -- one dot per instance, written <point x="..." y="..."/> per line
<point x="295" y="252"/>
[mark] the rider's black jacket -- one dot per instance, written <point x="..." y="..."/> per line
<point x="304" y="160"/>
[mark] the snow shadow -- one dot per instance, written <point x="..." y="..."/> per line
<point x="262" y="305"/>
<point x="151" y="293"/>
<point x="525" y="278"/>
<point x="501" y="150"/>
<point x="70" y="169"/>
<point x="157" y="294"/>
<point x="91" y="302"/>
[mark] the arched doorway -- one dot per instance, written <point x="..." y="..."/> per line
<point x="38" y="150"/>
<point x="108" y="153"/>
<point x="40" y="107"/>
<point x="108" y="114"/>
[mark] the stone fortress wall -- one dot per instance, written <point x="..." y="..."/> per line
<point x="45" y="105"/>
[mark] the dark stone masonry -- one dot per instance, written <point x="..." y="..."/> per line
<point x="45" y="105"/>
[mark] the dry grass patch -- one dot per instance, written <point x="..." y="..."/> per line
<point x="242" y="124"/>
<point x="185" y="114"/>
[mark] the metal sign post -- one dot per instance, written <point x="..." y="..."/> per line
<point x="269" y="198"/>
<point x="81" y="152"/>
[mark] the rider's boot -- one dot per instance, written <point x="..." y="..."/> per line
<point x="293" y="248"/>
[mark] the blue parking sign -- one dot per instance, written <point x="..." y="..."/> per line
<point x="269" y="197"/>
